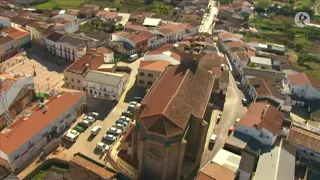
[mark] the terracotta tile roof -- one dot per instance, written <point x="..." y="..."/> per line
<point x="213" y="171"/>
<point x="226" y="35"/>
<point x="19" y="20"/>
<point x="304" y="138"/>
<point x="110" y="15"/>
<point x="262" y="116"/>
<point x="169" y="50"/>
<point x="157" y="65"/>
<point x="7" y="84"/>
<point x="236" y="44"/>
<point x="87" y="167"/>
<point x="26" y="129"/>
<point x="242" y="56"/>
<point x="179" y="92"/>
<point x="302" y="78"/>
<point x="171" y="28"/>
<point x="208" y="61"/>
<point x="99" y="13"/>
<point x="135" y="27"/>
<point x="139" y="36"/>
<point x="16" y="32"/>
<point x="94" y="61"/>
<point x="267" y="87"/>
<point x="104" y="50"/>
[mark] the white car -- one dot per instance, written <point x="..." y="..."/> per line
<point x="102" y="146"/>
<point x="213" y="138"/>
<point x="237" y="120"/>
<point x="95" y="130"/>
<point x="113" y="130"/>
<point x="94" y="115"/>
<point x="89" y="118"/>
<point x="125" y="118"/>
<point x="119" y="126"/>
<point x="72" y="135"/>
<point x="131" y="107"/>
<point x="109" y="137"/>
<point x="86" y="123"/>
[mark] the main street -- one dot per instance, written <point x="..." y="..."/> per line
<point x="232" y="110"/>
<point x="208" y="20"/>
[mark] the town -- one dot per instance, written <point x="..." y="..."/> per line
<point x="168" y="90"/>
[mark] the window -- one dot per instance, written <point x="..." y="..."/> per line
<point x="149" y="83"/>
<point x="150" y="75"/>
<point x="66" y="78"/>
<point x="141" y="74"/>
<point x="78" y="81"/>
<point x="72" y="87"/>
<point x="72" y="80"/>
<point x="106" y="95"/>
<point x="90" y="91"/>
<point x="141" y="82"/>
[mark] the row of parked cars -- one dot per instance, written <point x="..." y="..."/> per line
<point x="119" y="128"/>
<point x="86" y="122"/>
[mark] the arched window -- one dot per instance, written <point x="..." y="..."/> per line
<point x="150" y="75"/>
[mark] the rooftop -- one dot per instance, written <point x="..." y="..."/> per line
<point x="166" y="29"/>
<point x="227" y="159"/>
<point x="73" y="40"/>
<point x="247" y="162"/>
<point x="261" y="115"/>
<point x="19" y="20"/>
<point x="112" y="79"/>
<point x="139" y="36"/>
<point x="24" y="129"/>
<point x="277" y="162"/>
<point x="267" y="87"/>
<point x="305" y="138"/>
<point x="213" y="171"/>
<point x="157" y="65"/>
<point x="15" y="32"/>
<point x="55" y="36"/>
<point x="302" y="78"/>
<point x="86" y="62"/>
<point x="151" y="22"/>
<point x="174" y="97"/>
<point x="261" y="60"/>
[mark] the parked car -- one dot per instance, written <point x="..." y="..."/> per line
<point x="95" y="130"/>
<point x="126" y="113"/>
<point x="131" y="107"/>
<point x="137" y="99"/>
<point x="85" y="123"/>
<point x="125" y="118"/>
<point x="80" y="128"/>
<point x="94" y="115"/>
<point x="218" y="118"/>
<point x="213" y="138"/>
<point x="119" y="126"/>
<point x="109" y="137"/>
<point x="89" y="118"/>
<point x="237" y="120"/>
<point x="244" y="101"/>
<point x="115" y="131"/>
<point x="238" y="84"/>
<point x="72" y="135"/>
<point x="102" y="146"/>
<point x="124" y="123"/>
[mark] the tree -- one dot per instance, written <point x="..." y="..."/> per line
<point x="298" y="46"/>
<point x="262" y="5"/>
<point x="302" y="58"/>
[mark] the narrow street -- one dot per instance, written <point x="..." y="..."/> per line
<point x="233" y="109"/>
<point x="208" y="21"/>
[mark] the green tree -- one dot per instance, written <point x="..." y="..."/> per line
<point x="298" y="46"/>
<point x="262" y="5"/>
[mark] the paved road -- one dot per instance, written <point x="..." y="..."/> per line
<point x="209" y="18"/>
<point x="233" y="109"/>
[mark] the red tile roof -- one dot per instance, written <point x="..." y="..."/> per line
<point x="171" y="28"/>
<point x="305" y="138"/>
<point x="236" y="44"/>
<point x="179" y="92"/>
<point x="135" y="27"/>
<point x="110" y="15"/>
<point x="261" y="115"/>
<point x="104" y="50"/>
<point x="16" y="32"/>
<point x="213" y="171"/>
<point x="242" y="55"/>
<point x="22" y="132"/>
<point x="88" y="61"/>
<point x="157" y="65"/>
<point x="226" y="35"/>
<point x="302" y="78"/>
<point x="139" y="36"/>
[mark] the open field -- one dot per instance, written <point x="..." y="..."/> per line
<point x="160" y="8"/>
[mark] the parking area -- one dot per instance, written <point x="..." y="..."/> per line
<point x="48" y="69"/>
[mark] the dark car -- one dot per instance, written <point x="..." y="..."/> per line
<point x="137" y="99"/>
<point x="79" y="128"/>
<point x="126" y="113"/>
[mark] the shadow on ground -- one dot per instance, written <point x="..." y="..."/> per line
<point x="135" y="91"/>
<point x="101" y="106"/>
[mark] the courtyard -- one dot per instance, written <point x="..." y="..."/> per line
<point x="48" y="69"/>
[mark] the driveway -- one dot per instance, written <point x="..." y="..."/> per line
<point x="232" y="110"/>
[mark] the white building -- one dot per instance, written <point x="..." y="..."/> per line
<point x="302" y="85"/>
<point x="262" y="122"/>
<point x="263" y="63"/>
<point x="66" y="46"/>
<point x="105" y="85"/>
<point x="4" y="22"/>
<point x="21" y="144"/>
<point x="69" y="23"/>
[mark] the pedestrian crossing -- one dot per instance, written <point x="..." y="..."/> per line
<point x="117" y="110"/>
